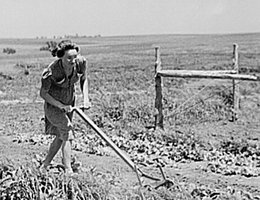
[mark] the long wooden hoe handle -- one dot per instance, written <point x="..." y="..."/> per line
<point x="111" y="143"/>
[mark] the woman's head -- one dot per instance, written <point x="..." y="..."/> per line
<point x="67" y="52"/>
<point x="64" y="46"/>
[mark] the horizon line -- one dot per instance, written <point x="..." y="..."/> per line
<point x="131" y="35"/>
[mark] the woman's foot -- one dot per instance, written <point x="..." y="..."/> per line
<point x="44" y="168"/>
<point x="69" y="172"/>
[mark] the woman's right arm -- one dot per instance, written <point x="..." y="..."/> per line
<point x="44" y="92"/>
<point x="49" y="99"/>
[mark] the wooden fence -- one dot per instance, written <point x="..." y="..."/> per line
<point x="216" y="74"/>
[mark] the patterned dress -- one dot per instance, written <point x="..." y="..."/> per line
<point x="61" y="88"/>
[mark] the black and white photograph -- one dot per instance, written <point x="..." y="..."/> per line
<point x="130" y="100"/>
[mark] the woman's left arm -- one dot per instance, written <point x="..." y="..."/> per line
<point x="84" y="84"/>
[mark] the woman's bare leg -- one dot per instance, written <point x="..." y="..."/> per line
<point x="66" y="155"/>
<point x="54" y="148"/>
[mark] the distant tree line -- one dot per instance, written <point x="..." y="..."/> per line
<point x="80" y="36"/>
<point x="69" y="36"/>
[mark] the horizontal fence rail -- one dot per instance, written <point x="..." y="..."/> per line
<point x="206" y="74"/>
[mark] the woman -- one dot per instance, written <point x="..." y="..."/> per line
<point x="58" y="91"/>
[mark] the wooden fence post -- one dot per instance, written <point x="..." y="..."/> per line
<point x="158" y="90"/>
<point x="235" y="87"/>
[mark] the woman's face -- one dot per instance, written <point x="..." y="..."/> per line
<point x="69" y="58"/>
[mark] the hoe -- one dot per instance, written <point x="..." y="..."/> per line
<point x="162" y="182"/>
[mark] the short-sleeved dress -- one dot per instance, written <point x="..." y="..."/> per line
<point x="61" y="88"/>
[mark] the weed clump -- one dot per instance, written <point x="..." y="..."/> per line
<point x="9" y="50"/>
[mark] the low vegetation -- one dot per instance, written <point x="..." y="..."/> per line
<point x="9" y="50"/>
<point x="50" y="45"/>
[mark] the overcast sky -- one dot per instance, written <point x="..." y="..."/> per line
<point x="31" y="18"/>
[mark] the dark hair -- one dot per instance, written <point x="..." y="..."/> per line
<point x="63" y="46"/>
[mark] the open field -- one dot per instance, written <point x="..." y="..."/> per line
<point x="205" y="154"/>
